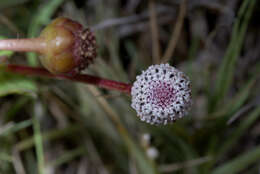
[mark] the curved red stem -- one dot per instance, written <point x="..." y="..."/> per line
<point x="84" y="78"/>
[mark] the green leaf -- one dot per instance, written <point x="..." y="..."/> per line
<point x="9" y="3"/>
<point x="17" y="86"/>
<point x="5" y="157"/>
<point x="238" y="132"/>
<point x="6" y="53"/>
<point x="49" y="136"/>
<point x="241" y="97"/>
<point x="227" y="68"/>
<point x="68" y="156"/>
<point x="237" y="101"/>
<point x="14" y="127"/>
<point x="238" y="164"/>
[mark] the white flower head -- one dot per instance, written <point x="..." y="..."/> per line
<point x="161" y="94"/>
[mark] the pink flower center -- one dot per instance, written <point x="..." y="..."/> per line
<point x="162" y="94"/>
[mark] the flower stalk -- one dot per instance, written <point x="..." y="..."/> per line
<point x="64" y="46"/>
<point x="23" y="45"/>
<point x="84" y="78"/>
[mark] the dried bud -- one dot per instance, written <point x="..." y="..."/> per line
<point x="69" y="47"/>
<point x="161" y="94"/>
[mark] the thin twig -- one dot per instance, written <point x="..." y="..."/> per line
<point x="155" y="33"/>
<point x="175" y="34"/>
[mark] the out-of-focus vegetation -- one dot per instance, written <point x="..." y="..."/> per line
<point x="51" y="126"/>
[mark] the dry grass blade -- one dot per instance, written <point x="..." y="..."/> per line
<point x="83" y="166"/>
<point x="113" y="116"/>
<point x="132" y="19"/>
<point x="155" y="33"/>
<point x="144" y="164"/>
<point x="178" y="166"/>
<point x="4" y="20"/>
<point x="38" y="113"/>
<point x="240" y="113"/>
<point x="6" y="127"/>
<point x="92" y="151"/>
<point x="175" y="34"/>
<point x="17" y="162"/>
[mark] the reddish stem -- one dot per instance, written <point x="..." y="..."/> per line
<point x="33" y="44"/>
<point x="100" y="82"/>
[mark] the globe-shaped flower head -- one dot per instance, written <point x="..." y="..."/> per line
<point x="161" y="94"/>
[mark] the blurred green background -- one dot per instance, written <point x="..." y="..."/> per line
<point x="51" y="126"/>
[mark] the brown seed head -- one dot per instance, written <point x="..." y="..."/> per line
<point x="69" y="48"/>
<point x="85" y="49"/>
